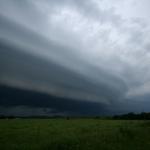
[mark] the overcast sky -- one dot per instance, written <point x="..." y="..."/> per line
<point x="96" y="50"/>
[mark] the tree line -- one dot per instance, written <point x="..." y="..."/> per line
<point x="128" y="116"/>
<point x="133" y="116"/>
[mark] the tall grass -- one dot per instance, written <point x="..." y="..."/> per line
<point x="74" y="134"/>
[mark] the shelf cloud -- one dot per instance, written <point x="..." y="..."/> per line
<point x="85" y="51"/>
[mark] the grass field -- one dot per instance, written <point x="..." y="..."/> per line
<point x="74" y="134"/>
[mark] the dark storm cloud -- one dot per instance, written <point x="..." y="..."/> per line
<point x="49" y="75"/>
<point x="16" y="100"/>
<point x="89" y="51"/>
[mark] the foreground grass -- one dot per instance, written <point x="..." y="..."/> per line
<point x="74" y="134"/>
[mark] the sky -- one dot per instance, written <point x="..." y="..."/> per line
<point x="92" y="52"/>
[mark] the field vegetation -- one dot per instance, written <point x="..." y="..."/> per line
<point x="74" y="134"/>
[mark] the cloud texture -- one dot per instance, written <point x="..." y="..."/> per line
<point x="97" y="51"/>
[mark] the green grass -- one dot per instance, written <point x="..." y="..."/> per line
<point x="74" y="134"/>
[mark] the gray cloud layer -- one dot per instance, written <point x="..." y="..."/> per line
<point x="89" y="49"/>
